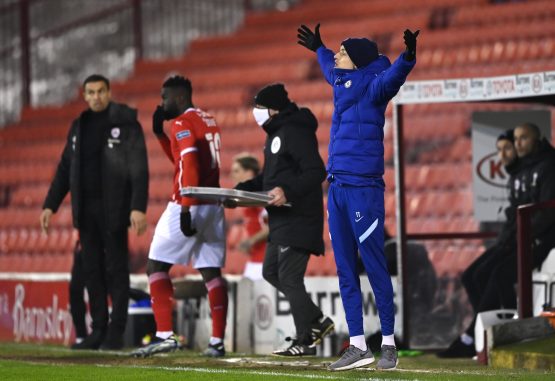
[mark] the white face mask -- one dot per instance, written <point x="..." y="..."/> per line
<point x="261" y="115"/>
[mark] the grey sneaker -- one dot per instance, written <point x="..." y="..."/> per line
<point x="353" y="358"/>
<point x="159" y="346"/>
<point x="388" y="360"/>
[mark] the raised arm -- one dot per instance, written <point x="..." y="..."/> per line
<point x="312" y="41"/>
<point x="387" y="83"/>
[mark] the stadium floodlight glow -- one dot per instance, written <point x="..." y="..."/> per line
<point x="536" y="87"/>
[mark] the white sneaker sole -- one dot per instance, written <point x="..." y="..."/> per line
<point x="357" y="364"/>
<point x="293" y="356"/>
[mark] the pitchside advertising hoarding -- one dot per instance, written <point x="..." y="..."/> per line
<point x="35" y="308"/>
<point x="490" y="179"/>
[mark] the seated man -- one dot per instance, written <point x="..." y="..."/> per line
<point x="490" y="280"/>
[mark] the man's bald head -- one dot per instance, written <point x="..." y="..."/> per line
<point x="527" y="138"/>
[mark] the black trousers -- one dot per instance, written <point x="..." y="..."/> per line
<point x="106" y="268"/>
<point x="489" y="281"/>
<point x="284" y="268"/>
<point x="76" y="294"/>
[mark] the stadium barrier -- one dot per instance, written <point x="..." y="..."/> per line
<point x="34" y="307"/>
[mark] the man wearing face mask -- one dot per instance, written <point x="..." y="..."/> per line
<point x="293" y="173"/>
<point x="189" y="231"/>
<point x="363" y="83"/>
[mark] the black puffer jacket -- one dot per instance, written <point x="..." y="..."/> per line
<point x="292" y="162"/>
<point x="124" y="169"/>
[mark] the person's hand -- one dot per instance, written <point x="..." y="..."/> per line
<point x="278" y="197"/>
<point x="185" y="224"/>
<point x="308" y="39"/>
<point x="158" y="118"/>
<point x="245" y="246"/>
<point x="45" y="217"/>
<point x="410" y="43"/>
<point x="138" y="221"/>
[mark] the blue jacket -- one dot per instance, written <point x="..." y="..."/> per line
<point x="360" y="97"/>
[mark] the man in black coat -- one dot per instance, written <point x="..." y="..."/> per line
<point x="489" y="280"/>
<point x="293" y="173"/>
<point x="104" y="167"/>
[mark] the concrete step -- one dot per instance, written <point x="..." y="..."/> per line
<point x="536" y="354"/>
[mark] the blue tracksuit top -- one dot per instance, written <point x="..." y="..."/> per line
<point x="360" y="97"/>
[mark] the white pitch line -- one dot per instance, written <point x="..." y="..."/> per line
<point x="246" y="372"/>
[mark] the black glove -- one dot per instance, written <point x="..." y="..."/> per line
<point x="410" y="42"/>
<point x="158" y="120"/>
<point x="185" y="224"/>
<point x="308" y="39"/>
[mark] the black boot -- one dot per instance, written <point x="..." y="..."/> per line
<point x="458" y="349"/>
<point x="113" y="341"/>
<point x="92" y="341"/>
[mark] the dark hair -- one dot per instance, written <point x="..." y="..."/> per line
<point x="96" y="78"/>
<point x="507" y="135"/>
<point x="531" y="127"/>
<point x="180" y="82"/>
<point x="248" y="163"/>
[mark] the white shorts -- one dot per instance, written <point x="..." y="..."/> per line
<point x="253" y="271"/>
<point x="204" y="249"/>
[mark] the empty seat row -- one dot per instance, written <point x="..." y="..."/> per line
<point x="528" y="11"/>
<point x="15" y="217"/>
<point x="22" y="240"/>
<point x="36" y="262"/>
<point x="487" y="53"/>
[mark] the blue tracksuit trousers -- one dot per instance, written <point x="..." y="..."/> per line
<point x="356" y="223"/>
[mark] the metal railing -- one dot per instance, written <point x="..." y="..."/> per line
<point x="48" y="47"/>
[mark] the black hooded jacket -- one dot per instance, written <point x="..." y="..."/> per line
<point x="507" y="235"/>
<point x="292" y="162"/>
<point x="535" y="182"/>
<point x="124" y="169"/>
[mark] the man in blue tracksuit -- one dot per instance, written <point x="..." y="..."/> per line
<point x="363" y="83"/>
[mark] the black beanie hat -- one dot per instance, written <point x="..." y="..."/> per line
<point x="361" y="51"/>
<point x="507" y="135"/>
<point x="273" y="96"/>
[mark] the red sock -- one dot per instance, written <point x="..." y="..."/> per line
<point x="217" y="297"/>
<point x="161" y="297"/>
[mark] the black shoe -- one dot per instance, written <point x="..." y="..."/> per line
<point x="92" y="341"/>
<point x="296" y="349"/>
<point x="320" y="329"/>
<point x="458" y="349"/>
<point x="113" y="342"/>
